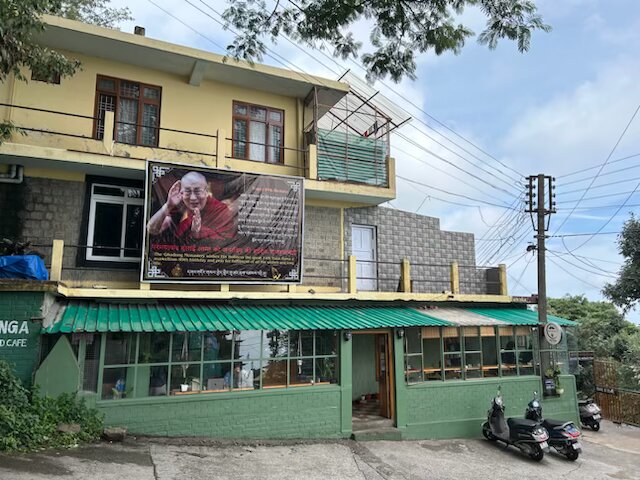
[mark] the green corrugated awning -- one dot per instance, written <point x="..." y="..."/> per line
<point x="518" y="316"/>
<point x="78" y="317"/>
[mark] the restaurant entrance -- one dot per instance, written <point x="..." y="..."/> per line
<point x="372" y="390"/>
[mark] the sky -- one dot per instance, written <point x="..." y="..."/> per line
<point x="499" y="115"/>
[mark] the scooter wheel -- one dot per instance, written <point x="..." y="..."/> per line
<point x="595" y="426"/>
<point x="537" y="454"/>
<point x="488" y="435"/>
<point x="572" y="454"/>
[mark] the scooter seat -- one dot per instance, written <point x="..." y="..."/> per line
<point x="520" y="422"/>
<point x="551" y="424"/>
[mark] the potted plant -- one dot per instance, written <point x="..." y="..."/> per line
<point x="553" y="373"/>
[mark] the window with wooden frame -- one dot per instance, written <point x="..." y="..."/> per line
<point x="136" y="108"/>
<point x="258" y="133"/>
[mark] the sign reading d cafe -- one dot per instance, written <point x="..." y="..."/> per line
<point x="17" y="334"/>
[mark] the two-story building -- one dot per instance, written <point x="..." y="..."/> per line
<point x="219" y="262"/>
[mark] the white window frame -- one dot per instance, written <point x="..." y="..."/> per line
<point x="127" y="199"/>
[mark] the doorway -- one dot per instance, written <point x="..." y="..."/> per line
<point x="372" y="367"/>
<point x="363" y="247"/>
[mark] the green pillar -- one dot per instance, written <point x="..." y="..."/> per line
<point x="400" y="384"/>
<point x="346" y="360"/>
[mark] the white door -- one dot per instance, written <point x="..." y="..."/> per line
<point x="363" y="247"/>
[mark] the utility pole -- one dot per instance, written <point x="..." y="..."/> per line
<point x="543" y="205"/>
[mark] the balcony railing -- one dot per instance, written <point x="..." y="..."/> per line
<point x="322" y="275"/>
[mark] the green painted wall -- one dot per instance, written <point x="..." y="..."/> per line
<point x="59" y="372"/>
<point x="457" y="409"/>
<point x="21" y="349"/>
<point x="290" y="413"/>
<point x="364" y="366"/>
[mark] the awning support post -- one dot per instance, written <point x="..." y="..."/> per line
<point x="352" y="274"/>
<point x="56" y="260"/>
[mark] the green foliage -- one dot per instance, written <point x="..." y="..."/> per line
<point x="625" y="291"/>
<point x="96" y="12"/>
<point x="29" y="422"/>
<point x="401" y="29"/>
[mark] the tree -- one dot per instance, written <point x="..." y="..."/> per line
<point x="22" y="23"/>
<point x="401" y="28"/>
<point x="625" y="291"/>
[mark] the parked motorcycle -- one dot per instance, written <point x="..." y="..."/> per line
<point x="529" y="436"/>
<point x="590" y="413"/>
<point x="563" y="436"/>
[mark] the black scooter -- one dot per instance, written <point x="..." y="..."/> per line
<point x="563" y="436"/>
<point x="590" y="414"/>
<point x="529" y="436"/>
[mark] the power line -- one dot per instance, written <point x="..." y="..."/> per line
<point x="558" y="252"/>
<point x="603" y="207"/>
<point x="602" y="174"/>
<point x="609" y="275"/>
<point x="597" y="197"/>
<point x="572" y="275"/>
<point x="581" y="234"/>
<point x="452" y="193"/>
<point x="601" y="167"/>
<point x="600" y="164"/>
<point x="617" y="182"/>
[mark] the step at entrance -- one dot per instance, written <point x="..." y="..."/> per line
<point x="368" y="425"/>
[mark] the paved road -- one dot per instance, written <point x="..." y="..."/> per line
<point x="612" y="453"/>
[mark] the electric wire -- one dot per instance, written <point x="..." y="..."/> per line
<point x="572" y="275"/>
<point x="596" y="166"/>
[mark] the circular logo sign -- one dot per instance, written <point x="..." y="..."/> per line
<point x="553" y="333"/>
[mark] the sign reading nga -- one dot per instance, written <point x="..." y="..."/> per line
<point x="209" y="225"/>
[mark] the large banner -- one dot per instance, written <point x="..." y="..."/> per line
<point x="208" y="225"/>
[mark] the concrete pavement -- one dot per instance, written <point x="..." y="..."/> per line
<point x="612" y="453"/>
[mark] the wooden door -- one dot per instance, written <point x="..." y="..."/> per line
<point x="363" y="247"/>
<point x="383" y="374"/>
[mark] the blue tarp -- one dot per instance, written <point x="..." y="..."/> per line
<point x="29" y="267"/>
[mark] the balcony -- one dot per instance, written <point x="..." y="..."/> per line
<point x="345" y="168"/>
<point x="324" y="279"/>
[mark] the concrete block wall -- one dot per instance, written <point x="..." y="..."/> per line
<point x="322" y="241"/>
<point x="429" y="249"/>
<point x="22" y="356"/>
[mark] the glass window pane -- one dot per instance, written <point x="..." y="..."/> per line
<point x="107" y="229"/>
<point x="526" y="365"/>
<point x="452" y="366"/>
<point x="326" y="342"/>
<point x="326" y="370"/>
<point x="185" y="378"/>
<point x="154" y="348"/>
<point x="217" y="346"/>
<point x="452" y="344"/>
<point x="301" y="343"/>
<point x="524" y="340"/>
<point x="247" y="344"/>
<point x="275" y="116"/>
<point x="473" y="365"/>
<point x="258" y="113"/>
<point x="111" y="191"/>
<point x="431" y="358"/>
<point x="150" y="119"/>
<point x="186" y="347"/>
<point x="239" y="109"/>
<point x="274" y="373"/>
<point x="239" y="139"/>
<point x="157" y="379"/>
<point x="216" y="376"/>
<point x="106" y="103"/>
<point x="106" y="84"/>
<point x="257" y="141"/>
<point x="301" y="371"/>
<point x="117" y="383"/>
<point x="507" y="340"/>
<point x="151" y="93"/>
<point x="120" y="349"/>
<point x="129" y="89"/>
<point x="126" y="124"/>
<point x="133" y="231"/>
<point x="413" y="340"/>
<point x="275" y="142"/>
<point x="489" y="356"/>
<point x="243" y="376"/>
<point x="275" y="343"/>
<point x="91" y="363"/>
<point x="413" y="368"/>
<point x="471" y="340"/>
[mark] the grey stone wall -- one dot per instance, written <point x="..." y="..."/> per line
<point x="429" y="250"/>
<point x="50" y="210"/>
<point x="322" y="247"/>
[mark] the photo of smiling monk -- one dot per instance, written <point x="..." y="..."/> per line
<point x="192" y="214"/>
